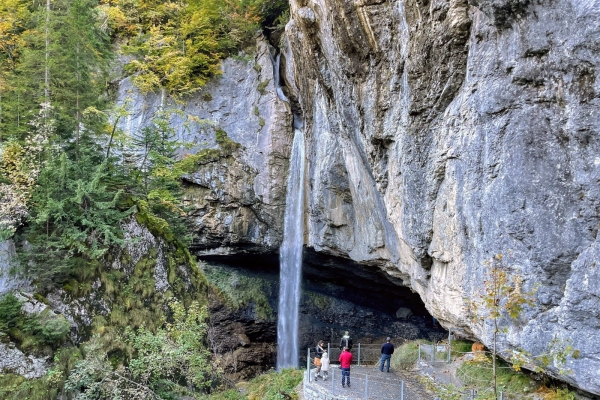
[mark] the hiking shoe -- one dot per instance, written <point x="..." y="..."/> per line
<point x="348" y="385"/>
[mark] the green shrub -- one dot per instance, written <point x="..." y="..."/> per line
<point x="269" y="386"/>
<point x="55" y="329"/>
<point x="10" y="310"/>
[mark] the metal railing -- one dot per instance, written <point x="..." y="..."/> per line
<point x="362" y="354"/>
<point x="362" y="386"/>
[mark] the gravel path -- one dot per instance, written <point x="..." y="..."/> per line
<point x="379" y="385"/>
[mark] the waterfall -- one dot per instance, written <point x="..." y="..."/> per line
<point x="290" y="253"/>
<point x="8" y="280"/>
<point x="277" y="79"/>
<point x="290" y="259"/>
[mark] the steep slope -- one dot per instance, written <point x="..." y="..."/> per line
<point x="441" y="133"/>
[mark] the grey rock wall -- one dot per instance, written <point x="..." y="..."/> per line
<point x="443" y="132"/>
<point x="238" y="199"/>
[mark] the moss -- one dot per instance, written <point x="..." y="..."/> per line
<point x="207" y="97"/>
<point x="257" y="67"/>
<point x="320" y="301"/>
<point x="39" y="297"/>
<point x="227" y="145"/>
<point x="240" y="291"/>
<point x="261" y="122"/>
<point x="262" y="86"/>
<point x="256" y="112"/>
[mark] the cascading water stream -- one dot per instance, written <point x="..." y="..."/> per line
<point x="291" y="259"/>
<point x="290" y="254"/>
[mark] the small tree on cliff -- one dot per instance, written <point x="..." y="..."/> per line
<point x="500" y="298"/>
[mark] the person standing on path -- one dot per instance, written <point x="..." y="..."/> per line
<point x="318" y="354"/>
<point x="345" y="361"/>
<point x="387" y="349"/>
<point x="325" y="365"/>
<point x="346" y="341"/>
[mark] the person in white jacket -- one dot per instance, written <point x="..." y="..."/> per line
<point x="325" y="365"/>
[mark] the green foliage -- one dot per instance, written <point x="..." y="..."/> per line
<point x="33" y="331"/>
<point x="557" y="394"/>
<point x="239" y="291"/>
<point x="10" y="312"/>
<point x="460" y="347"/>
<point x="269" y="386"/>
<point x="262" y="86"/>
<point x="227" y="145"/>
<point x="166" y="363"/>
<point x="48" y="387"/>
<point x="73" y="203"/>
<point x="406" y="356"/>
<point x="320" y="301"/>
<point x="179" y="44"/>
<point x="480" y="374"/>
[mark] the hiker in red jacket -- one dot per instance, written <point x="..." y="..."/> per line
<point x="345" y="360"/>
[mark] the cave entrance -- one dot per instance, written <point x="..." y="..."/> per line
<point x="337" y="295"/>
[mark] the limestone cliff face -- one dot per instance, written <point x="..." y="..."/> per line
<point x="443" y="132"/>
<point x="237" y="199"/>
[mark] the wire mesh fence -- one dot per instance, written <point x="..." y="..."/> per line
<point x="362" y="354"/>
<point x="374" y="384"/>
<point x="361" y="385"/>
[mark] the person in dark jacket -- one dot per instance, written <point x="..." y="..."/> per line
<point x="345" y="361"/>
<point x="387" y="349"/>
<point x="346" y="341"/>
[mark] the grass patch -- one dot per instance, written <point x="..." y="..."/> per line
<point x="556" y="394"/>
<point x="479" y="374"/>
<point x="460" y="347"/>
<point x="406" y="356"/>
<point x="270" y="386"/>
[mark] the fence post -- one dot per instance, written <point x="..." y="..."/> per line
<point x="308" y="362"/>
<point x="367" y="387"/>
<point x="501" y="395"/>
<point x="472" y="394"/>
<point x="419" y="345"/>
<point x="328" y="349"/>
<point x="402" y="390"/>
<point x="432" y="352"/>
<point x="333" y="381"/>
<point x="359" y="354"/>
